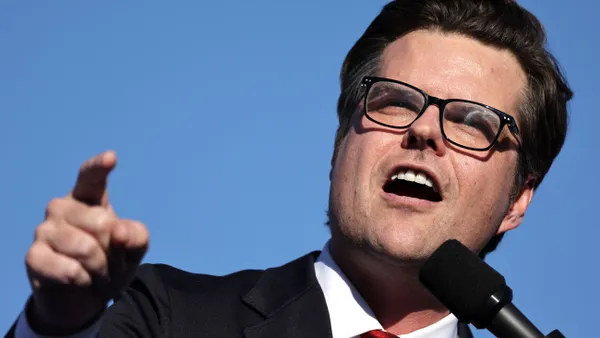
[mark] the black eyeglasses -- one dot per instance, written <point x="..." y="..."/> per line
<point x="464" y="123"/>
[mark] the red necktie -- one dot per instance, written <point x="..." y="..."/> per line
<point x="377" y="334"/>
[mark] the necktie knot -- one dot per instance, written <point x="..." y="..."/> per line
<point x="377" y="334"/>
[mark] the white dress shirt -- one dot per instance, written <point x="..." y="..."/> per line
<point x="349" y="313"/>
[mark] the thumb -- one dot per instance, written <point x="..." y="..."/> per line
<point x="90" y="187"/>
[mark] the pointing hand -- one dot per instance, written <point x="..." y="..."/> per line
<point x="83" y="254"/>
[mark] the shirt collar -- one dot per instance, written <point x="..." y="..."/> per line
<point x="349" y="313"/>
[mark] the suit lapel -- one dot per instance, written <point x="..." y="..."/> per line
<point x="291" y="302"/>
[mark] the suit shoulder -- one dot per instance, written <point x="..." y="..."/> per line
<point x="167" y="300"/>
<point x="179" y="280"/>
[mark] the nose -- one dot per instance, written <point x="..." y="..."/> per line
<point x="425" y="132"/>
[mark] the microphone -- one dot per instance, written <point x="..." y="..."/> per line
<point x="475" y="293"/>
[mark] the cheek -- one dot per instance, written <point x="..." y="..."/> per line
<point x="484" y="188"/>
<point x="362" y="147"/>
<point x="485" y="185"/>
<point x="357" y="160"/>
<point x="351" y="160"/>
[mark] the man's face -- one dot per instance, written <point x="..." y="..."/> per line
<point x="474" y="186"/>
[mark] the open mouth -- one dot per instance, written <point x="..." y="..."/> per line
<point x="413" y="184"/>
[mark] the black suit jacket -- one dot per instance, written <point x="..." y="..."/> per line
<point x="162" y="301"/>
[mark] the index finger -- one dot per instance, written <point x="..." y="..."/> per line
<point x="90" y="187"/>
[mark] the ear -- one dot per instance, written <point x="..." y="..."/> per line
<point x="516" y="212"/>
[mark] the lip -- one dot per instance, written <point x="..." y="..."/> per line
<point x="408" y="202"/>
<point x="416" y="168"/>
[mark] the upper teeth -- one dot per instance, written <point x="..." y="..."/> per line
<point x="411" y="176"/>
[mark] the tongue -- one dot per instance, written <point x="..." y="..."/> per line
<point x="411" y="189"/>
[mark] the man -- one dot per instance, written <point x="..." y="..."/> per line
<point x="451" y="113"/>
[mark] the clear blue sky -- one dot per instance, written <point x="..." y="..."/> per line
<point x="223" y="116"/>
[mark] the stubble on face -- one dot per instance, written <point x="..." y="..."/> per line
<point x="476" y="186"/>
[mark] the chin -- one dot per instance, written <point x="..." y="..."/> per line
<point x="404" y="247"/>
<point x="408" y="253"/>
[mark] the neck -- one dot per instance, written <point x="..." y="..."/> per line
<point x="393" y="291"/>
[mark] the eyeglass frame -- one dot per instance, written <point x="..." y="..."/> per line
<point x="505" y="119"/>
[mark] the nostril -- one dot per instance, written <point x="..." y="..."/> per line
<point x="431" y="143"/>
<point x="415" y="142"/>
<point x="412" y="140"/>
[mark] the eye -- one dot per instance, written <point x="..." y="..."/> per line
<point x="472" y="119"/>
<point x="394" y="96"/>
<point x="480" y="120"/>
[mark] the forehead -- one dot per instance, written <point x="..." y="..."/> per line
<point x="450" y="65"/>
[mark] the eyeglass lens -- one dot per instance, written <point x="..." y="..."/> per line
<point x="467" y="124"/>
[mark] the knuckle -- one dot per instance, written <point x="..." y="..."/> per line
<point x="90" y="254"/>
<point x="107" y="223"/>
<point x="93" y="219"/>
<point x="55" y="206"/>
<point x="71" y="271"/>
<point x="87" y="247"/>
<point x="43" y="230"/>
<point x="102" y="221"/>
<point x="99" y="218"/>
<point x="97" y="263"/>
<point x="31" y="255"/>
<point x="34" y="255"/>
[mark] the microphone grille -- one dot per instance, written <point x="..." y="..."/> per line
<point x="460" y="280"/>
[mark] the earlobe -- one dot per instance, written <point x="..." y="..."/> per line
<point x="516" y="212"/>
